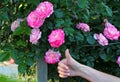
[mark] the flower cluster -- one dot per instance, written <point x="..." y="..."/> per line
<point x="36" y="19"/>
<point x="56" y="39"/>
<point x="110" y="32"/>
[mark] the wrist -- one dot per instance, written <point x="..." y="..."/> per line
<point x="88" y="73"/>
<point x="81" y="70"/>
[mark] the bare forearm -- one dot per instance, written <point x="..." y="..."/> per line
<point x="93" y="75"/>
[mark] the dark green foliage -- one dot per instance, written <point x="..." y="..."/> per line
<point x="67" y="13"/>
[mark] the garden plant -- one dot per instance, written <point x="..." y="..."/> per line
<point x="31" y="30"/>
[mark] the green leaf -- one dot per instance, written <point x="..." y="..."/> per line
<point x="18" y="31"/>
<point x="23" y="29"/>
<point x="103" y="56"/>
<point x="86" y="17"/>
<point x="36" y="2"/>
<point x="109" y="11"/>
<point x="79" y="36"/>
<point x="59" y="23"/>
<point x="67" y="22"/>
<point x="109" y="50"/>
<point x="36" y="58"/>
<point x="90" y="63"/>
<point x="21" y="43"/>
<point x="21" y="55"/>
<point x="118" y="52"/>
<point x="30" y="55"/>
<point x="50" y="25"/>
<point x="88" y="12"/>
<point x="4" y="16"/>
<point x="58" y="13"/>
<point x="76" y="56"/>
<point x="27" y="31"/>
<point x="19" y="60"/>
<point x="0" y="23"/>
<point x="90" y="39"/>
<point x="55" y="1"/>
<point x="4" y="56"/>
<point x="29" y="61"/>
<point x="22" y="67"/>
<point x="91" y="58"/>
<point x="69" y="31"/>
<point x="14" y="53"/>
<point x="82" y="3"/>
<point x="72" y="38"/>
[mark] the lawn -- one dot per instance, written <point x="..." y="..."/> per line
<point x="7" y="79"/>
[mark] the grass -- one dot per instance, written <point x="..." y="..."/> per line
<point x="7" y="79"/>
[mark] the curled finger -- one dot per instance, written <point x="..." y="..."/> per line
<point x="62" y="76"/>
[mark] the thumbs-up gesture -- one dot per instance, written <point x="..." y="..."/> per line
<point x="68" y="66"/>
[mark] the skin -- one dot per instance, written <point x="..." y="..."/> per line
<point x="70" y="67"/>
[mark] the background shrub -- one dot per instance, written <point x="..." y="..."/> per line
<point x="67" y="13"/>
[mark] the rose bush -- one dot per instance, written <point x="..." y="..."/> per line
<point x="78" y="21"/>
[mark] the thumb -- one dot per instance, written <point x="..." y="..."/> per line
<point x="67" y="54"/>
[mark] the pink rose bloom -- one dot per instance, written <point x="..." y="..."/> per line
<point x="83" y="26"/>
<point x="16" y="24"/>
<point x="45" y="9"/>
<point x="111" y="32"/>
<point x="118" y="61"/>
<point x="11" y="61"/>
<point x="34" y="20"/>
<point x="35" y="36"/>
<point x="52" y="57"/>
<point x="101" y="39"/>
<point x="56" y="38"/>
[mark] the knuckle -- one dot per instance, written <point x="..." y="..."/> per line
<point x="59" y="63"/>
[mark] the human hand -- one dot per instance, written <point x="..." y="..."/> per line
<point x="68" y="66"/>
